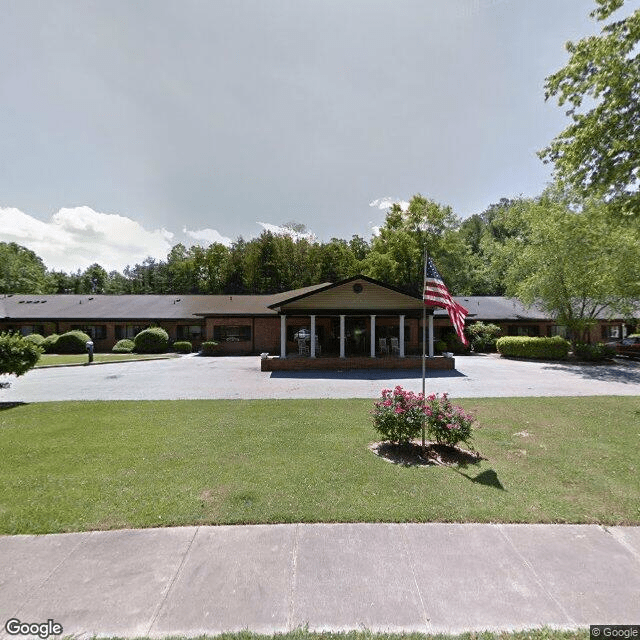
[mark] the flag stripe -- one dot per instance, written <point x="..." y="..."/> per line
<point x="435" y="293"/>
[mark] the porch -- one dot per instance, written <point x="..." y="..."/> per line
<point x="336" y="363"/>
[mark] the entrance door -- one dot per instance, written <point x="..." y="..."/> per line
<point x="357" y="336"/>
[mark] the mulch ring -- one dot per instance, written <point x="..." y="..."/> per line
<point x="411" y="454"/>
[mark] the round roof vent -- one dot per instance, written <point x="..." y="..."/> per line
<point x="357" y="288"/>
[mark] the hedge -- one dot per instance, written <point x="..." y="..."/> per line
<point x="49" y="344"/>
<point x="208" y="348"/>
<point x="183" y="346"/>
<point x="35" y="338"/>
<point x="524" y="347"/>
<point x="123" y="346"/>
<point x="153" y="340"/>
<point x="72" y="342"/>
<point x="594" y="352"/>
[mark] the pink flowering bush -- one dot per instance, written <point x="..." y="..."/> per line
<point x="398" y="415"/>
<point x="447" y="423"/>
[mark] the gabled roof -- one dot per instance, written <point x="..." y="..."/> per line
<point x="356" y="294"/>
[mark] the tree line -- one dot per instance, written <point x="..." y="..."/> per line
<point x="272" y="263"/>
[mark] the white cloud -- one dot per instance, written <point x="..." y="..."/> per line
<point x="284" y="231"/>
<point x="205" y="237"/>
<point x="76" y="238"/>
<point x="386" y="203"/>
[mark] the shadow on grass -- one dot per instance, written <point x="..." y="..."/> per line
<point x="488" y="478"/>
<point x="10" y="405"/>
<point x="366" y="374"/>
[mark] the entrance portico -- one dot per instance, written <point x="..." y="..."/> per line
<point x="359" y="318"/>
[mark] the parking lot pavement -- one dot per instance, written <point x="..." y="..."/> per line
<point x="194" y="377"/>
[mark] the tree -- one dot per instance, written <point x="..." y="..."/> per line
<point x="397" y="254"/>
<point x="599" y="152"/>
<point x="21" y="270"/>
<point x="576" y="264"/>
<point x="17" y="355"/>
<point x="94" y="279"/>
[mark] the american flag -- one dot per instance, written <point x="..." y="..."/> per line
<point x="436" y="294"/>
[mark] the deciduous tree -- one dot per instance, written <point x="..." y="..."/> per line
<point x="599" y="152"/>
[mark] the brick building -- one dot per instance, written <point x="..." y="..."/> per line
<point x="354" y="317"/>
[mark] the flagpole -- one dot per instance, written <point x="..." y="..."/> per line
<point x="424" y="348"/>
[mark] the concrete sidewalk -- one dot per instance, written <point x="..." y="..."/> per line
<point x="397" y="577"/>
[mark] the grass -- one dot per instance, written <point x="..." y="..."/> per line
<point x="77" y="466"/>
<point x="304" y="634"/>
<point x="49" y="359"/>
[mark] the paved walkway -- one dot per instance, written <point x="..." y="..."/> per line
<point x="410" y="577"/>
<point x="194" y="377"/>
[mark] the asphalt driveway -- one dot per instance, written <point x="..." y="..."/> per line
<point x="194" y="377"/>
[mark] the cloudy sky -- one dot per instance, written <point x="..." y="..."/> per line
<point x="127" y="127"/>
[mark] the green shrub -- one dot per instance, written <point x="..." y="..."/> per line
<point x="208" y="348"/>
<point x="454" y="344"/>
<point x="123" y="346"/>
<point x="440" y="346"/>
<point x="594" y="352"/>
<point x="483" y="336"/>
<point x="17" y="354"/>
<point x="152" y="340"/>
<point x="72" y="342"/>
<point x="525" y="347"/>
<point x="49" y="344"/>
<point x="183" y="347"/>
<point x="35" y="338"/>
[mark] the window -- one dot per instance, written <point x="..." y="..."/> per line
<point x="94" y="331"/>
<point x="189" y="332"/>
<point x="28" y="329"/>
<point x="129" y="331"/>
<point x="232" y="333"/>
<point x="557" y="330"/>
<point x="524" y="330"/>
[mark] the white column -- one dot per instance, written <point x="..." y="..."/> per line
<point x="431" y="335"/>
<point x="402" y="336"/>
<point x="373" y="336"/>
<point x="342" y="337"/>
<point x="283" y="336"/>
<point x="313" y="337"/>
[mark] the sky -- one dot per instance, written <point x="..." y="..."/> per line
<point x="128" y="127"/>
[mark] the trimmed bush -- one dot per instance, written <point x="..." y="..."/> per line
<point x="440" y="346"/>
<point x="17" y="354"/>
<point x="35" y="338"/>
<point x="594" y="352"/>
<point x="72" y="342"/>
<point x="123" y="346"/>
<point x="49" y="344"/>
<point x="183" y="347"/>
<point x="525" y="347"/>
<point x="208" y="348"/>
<point x="152" y="340"/>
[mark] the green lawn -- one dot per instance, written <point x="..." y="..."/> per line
<point x="48" y="359"/>
<point x="75" y="466"/>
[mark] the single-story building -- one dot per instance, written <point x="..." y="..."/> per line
<point x="357" y="317"/>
